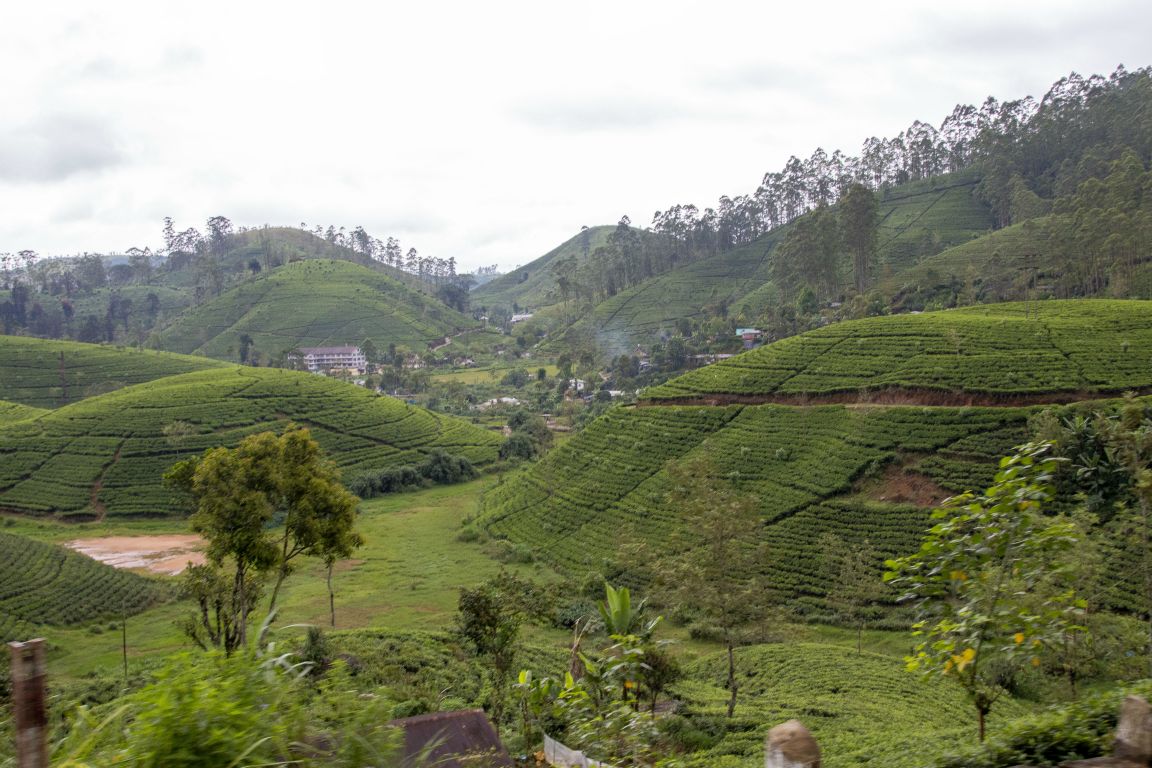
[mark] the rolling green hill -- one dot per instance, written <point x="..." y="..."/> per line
<point x="312" y="303"/>
<point x="273" y="247"/>
<point x="48" y="584"/>
<point x="533" y="285"/>
<point x="106" y="455"/>
<point x="1069" y="348"/>
<point x="915" y="219"/>
<point x="865" y="472"/>
<point x="827" y="468"/>
<point x="48" y="374"/>
<point x="1008" y="264"/>
<point x="10" y="412"/>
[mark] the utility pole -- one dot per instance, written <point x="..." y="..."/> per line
<point x="124" y="639"/>
<point x="29" y="703"/>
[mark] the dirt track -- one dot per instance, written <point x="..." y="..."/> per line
<point x="898" y="396"/>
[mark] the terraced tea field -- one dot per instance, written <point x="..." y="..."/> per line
<point x="841" y="696"/>
<point x="866" y="472"/>
<point x="46" y="584"/>
<point x="10" y="412"/>
<point x="106" y="455"/>
<point x="639" y="313"/>
<point x="1070" y="349"/>
<point x="312" y="303"/>
<point x="803" y="464"/>
<point x="944" y="210"/>
<point x="48" y="374"/>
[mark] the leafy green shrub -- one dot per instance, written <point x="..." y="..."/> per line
<point x="1070" y="732"/>
<point x="507" y="552"/>
<point x="316" y="651"/>
<point x="215" y="710"/>
<point x="469" y="534"/>
<point x="518" y="446"/>
<point x="200" y="712"/>
<point x="440" y="468"/>
<point x="411" y="708"/>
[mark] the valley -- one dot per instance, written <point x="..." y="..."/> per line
<point x="654" y="492"/>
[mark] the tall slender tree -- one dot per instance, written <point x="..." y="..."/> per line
<point x="858" y="220"/>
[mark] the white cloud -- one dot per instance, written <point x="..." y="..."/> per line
<point x="484" y="131"/>
<point x="55" y="147"/>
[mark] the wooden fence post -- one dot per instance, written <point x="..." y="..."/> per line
<point x="29" y="703"/>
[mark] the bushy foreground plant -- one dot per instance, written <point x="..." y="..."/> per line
<point x="597" y="706"/>
<point x="991" y="581"/>
<point x="217" y="710"/>
<point x="1080" y="730"/>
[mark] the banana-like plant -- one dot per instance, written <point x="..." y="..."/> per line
<point x="620" y="617"/>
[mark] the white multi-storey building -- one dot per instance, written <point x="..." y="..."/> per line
<point x="326" y="358"/>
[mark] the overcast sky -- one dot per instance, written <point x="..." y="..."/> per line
<point x="486" y="131"/>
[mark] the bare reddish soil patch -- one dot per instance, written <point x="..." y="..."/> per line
<point x="901" y="486"/>
<point x="899" y="396"/>
<point x="169" y="554"/>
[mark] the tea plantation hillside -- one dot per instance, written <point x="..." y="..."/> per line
<point x="866" y="472"/>
<point x="48" y="374"/>
<point x="10" y="412"/>
<point x="48" y="584"/>
<point x="923" y="215"/>
<point x="1070" y="349"/>
<point x="840" y="695"/>
<point x="106" y="455"/>
<point x="534" y="284"/>
<point x="311" y="303"/>
<point x="814" y="470"/>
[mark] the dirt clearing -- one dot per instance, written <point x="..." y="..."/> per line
<point x="158" y="554"/>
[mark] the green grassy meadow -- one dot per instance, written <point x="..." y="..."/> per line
<point x="407" y="576"/>
<point x="396" y="601"/>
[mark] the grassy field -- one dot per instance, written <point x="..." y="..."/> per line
<point x="396" y="602"/>
<point x="490" y="376"/>
<point x="105" y="456"/>
<point x="406" y="577"/>
<point x="1085" y="346"/>
<point x="312" y="303"/>
<point x="49" y="374"/>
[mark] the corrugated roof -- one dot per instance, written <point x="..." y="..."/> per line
<point x="462" y="739"/>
